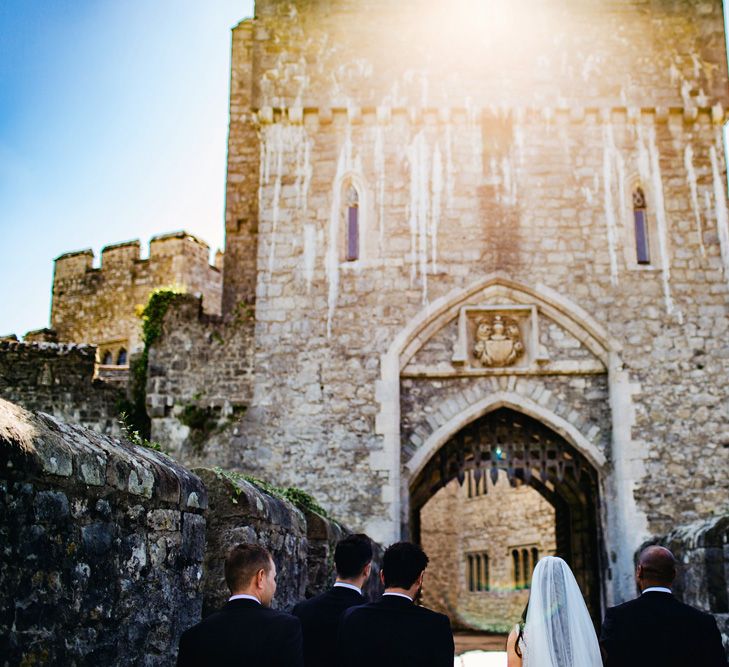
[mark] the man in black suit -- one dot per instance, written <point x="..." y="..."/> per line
<point x="246" y="632"/>
<point x="657" y="629"/>
<point x="394" y="632"/>
<point x="320" y="615"/>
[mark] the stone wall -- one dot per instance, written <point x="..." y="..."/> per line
<point x="240" y="512"/>
<point x="103" y="544"/>
<point x="100" y="305"/>
<point x="199" y="381"/>
<point x="112" y="551"/>
<point x="453" y="526"/>
<point x="702" y="550"/>
<point x="58" y="378"/>
<point x="302" y="542"/>
<point x="321" y="54"/>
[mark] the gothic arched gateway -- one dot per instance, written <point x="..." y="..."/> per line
<point x="530" y="453"/>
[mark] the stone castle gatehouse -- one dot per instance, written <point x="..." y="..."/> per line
<point x="472" y="239"/>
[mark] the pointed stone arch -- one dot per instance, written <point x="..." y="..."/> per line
<point x="517" y="403"/>
<point x="623" y="524"/>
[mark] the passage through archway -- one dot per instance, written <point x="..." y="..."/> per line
<point x="508" y="450"/>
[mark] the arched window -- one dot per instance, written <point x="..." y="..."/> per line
<point x="121" y="359"/>
<point x="108" y="358"/>
<point x="471" y="574"/>
<point x="525" y="569"/>
<point x="517" y="569"/>
<point x="642" y="242"/>
<point x="486" y="574"/>
<point x="535" y="557"/>
<point x="351" y="223"/>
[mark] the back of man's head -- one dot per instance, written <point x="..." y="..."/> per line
<point x="657" y="565"/>
<point x="402" y="564"/>
<point x="244" y="561"/>
<point x="352" y="554"/>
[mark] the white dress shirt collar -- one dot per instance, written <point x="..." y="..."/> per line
<point x="657" y="589"/>
<point x="243" y="596"/>
<point x="400" y="595"/>
<point x="344" y="584"/>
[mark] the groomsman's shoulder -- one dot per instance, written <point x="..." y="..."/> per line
<point x="650" y="599"/>
<point x="337" y="597"/>
<point x="307" y="605"/>
<point x="375" y="608"/>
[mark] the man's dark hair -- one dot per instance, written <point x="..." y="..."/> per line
<point x="352" y="554"/>
<point x="243" y="562"/>
<point x="402" y="564"/>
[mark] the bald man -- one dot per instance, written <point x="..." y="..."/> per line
<point x="657" y="629"/>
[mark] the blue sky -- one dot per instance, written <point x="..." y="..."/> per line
<point x="113" y="126"/>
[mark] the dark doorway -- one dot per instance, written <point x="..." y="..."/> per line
<point x="529" y="453"/>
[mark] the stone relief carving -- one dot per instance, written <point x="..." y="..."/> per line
<point x="498" y="341"/>
<point x="497" y="336"/>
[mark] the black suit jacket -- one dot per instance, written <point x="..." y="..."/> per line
<point x="320" y="618"/>
<point x="657" y="629"/>
<point x="394" y="632"/>
<point x="245" y="634"/>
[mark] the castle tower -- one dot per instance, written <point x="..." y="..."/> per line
<point x="483" y="227"/>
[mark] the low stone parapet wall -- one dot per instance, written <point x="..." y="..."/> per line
<point x="241" y="512"/>
<point x="103" y="546"/>
<point x="110" y="550"/>
<point x="702" y="549"/>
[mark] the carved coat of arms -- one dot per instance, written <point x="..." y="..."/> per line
<point x="498" y="341"/>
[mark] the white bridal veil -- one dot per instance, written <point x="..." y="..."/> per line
<point x="558" y="631"/>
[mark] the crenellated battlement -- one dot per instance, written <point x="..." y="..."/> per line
<point x="100" y="305"/>
<point x="128" y="253"/>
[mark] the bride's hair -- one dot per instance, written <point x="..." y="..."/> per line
<point x="520" y="636"/>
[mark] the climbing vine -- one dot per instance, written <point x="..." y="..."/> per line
<point x="134" y="408"/>
<point x="295" y="496"/>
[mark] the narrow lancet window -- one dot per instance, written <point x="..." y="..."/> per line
<point x="352" y="221"/>
<point x="121" y="359"/>
<point x="517" y="573"/>
<point x="642" y="247"/>
<point x="525" y="569"/>
<point x="108" y="359"/>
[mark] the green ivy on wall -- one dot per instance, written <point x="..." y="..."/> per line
<point x="134" y="409"/>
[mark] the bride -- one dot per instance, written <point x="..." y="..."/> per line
<point x="558" y="630"/>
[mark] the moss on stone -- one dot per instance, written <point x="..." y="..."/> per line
<point x="297" y="497"/>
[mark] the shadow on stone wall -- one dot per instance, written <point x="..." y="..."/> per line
<point x="111" y="551"/>
<point x="103" y="546"/>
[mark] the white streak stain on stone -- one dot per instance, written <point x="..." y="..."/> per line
<point x="344" y="164"/>
<point x="436" y="206"/>
<point x="309" y="254"/>
<point x="380" y="176"/>
<point x="277" y="151"/>
<point x="661" y="222"/>
<point x="722" y="215"/>
<point x="519" y="142"/>
<point x="688" y="162"/>
<point x="608" y="159"/>
<point x="450" y="171"/>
